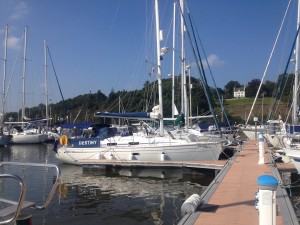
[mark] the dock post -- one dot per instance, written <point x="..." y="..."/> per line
<point x="267" y="185"/>
<point x="261" y="147"/>
<point x="162" y="156"/>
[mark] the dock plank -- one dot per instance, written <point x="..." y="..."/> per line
<point x="233" y="201"/>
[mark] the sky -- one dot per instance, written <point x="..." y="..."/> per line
<point x="109" y="44"/>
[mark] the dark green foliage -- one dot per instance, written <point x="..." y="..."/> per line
<point x="84" y="106"/>
<point x="252" y="87"/>
<point x="228" y="88"/>
<point x="268" y="88"/>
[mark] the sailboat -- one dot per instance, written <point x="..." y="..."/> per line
<point x="32" y="132"/>
<point x="279" y="134"/>
<point x="107" y="142"/>
<point x="4" y="138"/>
<point x="213" y="131"/>
<point x="293" y="152"/>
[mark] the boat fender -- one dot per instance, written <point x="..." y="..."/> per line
<point x="63" y="190"/>
<point x="63" y="140"/>
<point x="191" y="204"/>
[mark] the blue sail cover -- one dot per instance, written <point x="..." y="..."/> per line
<point x="129" y="115"/>
<point x="293" y="129"/>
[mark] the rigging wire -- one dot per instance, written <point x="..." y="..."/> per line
<point x="64" y="102"/>
<point x="210" y="71"/>
<point x="13" y="70"/>
<point x="292" y="104"/>
<point x="200" y="68"/>
<point x="284" y="74"/>
<point x="268" y="63"/>
<point x="84" y="101"/>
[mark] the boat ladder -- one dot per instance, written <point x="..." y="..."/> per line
<point x="12" y="209"/>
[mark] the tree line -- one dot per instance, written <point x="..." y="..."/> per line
<point x="82" y="107"/>
<point x="268" y="88"/>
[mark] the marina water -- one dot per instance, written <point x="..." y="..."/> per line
<point x="95" y="195"/>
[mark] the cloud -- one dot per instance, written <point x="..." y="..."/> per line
<point x="213" y="61"/>
<point x="13" y="42"/>
<point x="20" y="11"/>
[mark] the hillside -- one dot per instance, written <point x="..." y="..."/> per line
<point x="239" y="109"/>
<point x="82" y="108"/>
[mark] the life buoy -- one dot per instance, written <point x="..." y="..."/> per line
<point x="63" y="140"/>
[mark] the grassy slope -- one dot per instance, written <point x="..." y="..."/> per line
<point x="241" y="108"/>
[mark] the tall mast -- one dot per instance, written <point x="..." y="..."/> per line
<point x="296" y="83"/>
<point x="161" y="124"/>
<point x="173" y="61"/>
<point x="184" y="107"/>
<point x="46" y="81"/>
<point x="119" y="110"/>
<point x="4" y="73"/>
<point x="24" y="74"/>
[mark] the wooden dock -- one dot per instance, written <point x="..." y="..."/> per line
<point x="230" y="199"/>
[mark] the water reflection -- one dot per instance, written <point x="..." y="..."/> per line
<point x="138" y="195"/>
<point x="100" y="195"/>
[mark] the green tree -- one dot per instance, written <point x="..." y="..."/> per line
<point x="252" y="87"/>
<point x="228" y="88"/>
<point x="268" y="88"/>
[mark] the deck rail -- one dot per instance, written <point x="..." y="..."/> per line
<point x="14" y="207"/>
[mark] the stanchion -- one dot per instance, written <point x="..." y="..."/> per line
<point x="267" y="199"/>
<point x="261" y="157"/>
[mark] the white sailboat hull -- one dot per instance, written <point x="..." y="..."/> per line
<point x="252" y="133"/>
<point x="294" y="155"/>
<point x="278" y="140"/>
<point x="29" y="138"/>
<point x="184" y="152"/>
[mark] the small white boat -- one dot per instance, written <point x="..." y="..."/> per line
<point x="27" y="136"/>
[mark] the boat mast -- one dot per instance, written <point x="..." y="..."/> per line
<point x="46" y="81"/>
<point x="184" y="107"/>
<point x="119" y="110"/>
<point x="296" y="83"/>
<point x="4" y="74"/>
<point x="173" y="59"/>
<point x="24" y="74"/>
<point x="161" y="122"/>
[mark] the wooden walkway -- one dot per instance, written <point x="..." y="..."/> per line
<point x="233" y="201"/>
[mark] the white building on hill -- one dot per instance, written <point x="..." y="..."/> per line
<point x="239" y="92"/>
